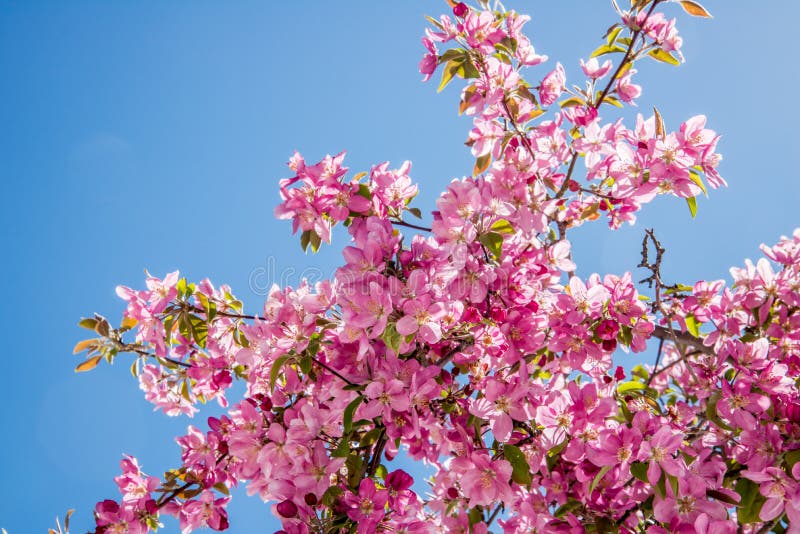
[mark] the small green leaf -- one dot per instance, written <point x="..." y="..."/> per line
<point x="639" y="470"/>
<point x="481" y="164"/>
<point x="448" y="72"/>
<point x="692" y="203"/>
<point x="493" y="243"/>
<point x="692" y="325"/>
<point x="343" y="449"/>
<point x="612" y="35"/>
<point x="331" y="495"/>
<point x="88" y="323"/>
<point x="349" y="411"/>
<point x="598" y="477"/>
<point x="416" y="212"/>
<point x="475" y="516"/>
<point x="521" y="473"/>
<point x="572" y="102"/>
<point x="695" y="177"/>
<point x="315" y="241"/>
<point x="275" y="370"/>
<point x="222" y="488"/>
<point x="631" y="385"/>
<point x="305" y="363"/>
<point x="750" y="503"/>
<point x="791" y="458"/>
<point x="453" y="53"/>
<point x="305" y="239"/>
<point x="663" y="56"/>
<point x="392" y="338"/>
<point x="502" y="226"/>
<point x="606" y="49"/>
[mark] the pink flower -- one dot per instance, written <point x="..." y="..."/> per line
<point x="660" y="451"/>
<point x="552" y="85"/>
<point x="483" y="480"/>
<point x="367" y="508"/>
<point x="205" y="511"/>
<point x="422" y="317"/>
<point x="428" y="64"/>
<point x="776" y="487"/>
<point x="627" y="91"/>
<point x="594" y="70"/>
<point x="687" y="504"/>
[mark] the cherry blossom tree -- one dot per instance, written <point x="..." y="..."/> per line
<point x="469" y="344"/>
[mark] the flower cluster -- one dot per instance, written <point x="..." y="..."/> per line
<point x="474" y="347"/>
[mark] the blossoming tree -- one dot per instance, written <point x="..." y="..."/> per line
<point x="472" y="346"/>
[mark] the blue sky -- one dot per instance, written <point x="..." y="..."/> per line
<point x="151" y="135"/>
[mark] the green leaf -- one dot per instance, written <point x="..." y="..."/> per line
<point x="305" y="363"/>
<point x="598" y="477"/>
<point x="315" y="241"/>
<point x="606" y="49"/>
<point x="391" y="337"/>
<point x="570" y="506"/>
<point x="475" y="516"/>
<point x="631" y="385"/>
<point x="665" y="57"/>
<point x="448" y="72"/>
<point x="502" y="226"/>
<point x="572" y="102"/>
<point x="791" y="458"/>
<point x="88" y="323"/>
<point x="349" y="411"/>
<point x="363" y="190"/>
<point x="222" y="488"/>
<point x="343" y="449"/>
<point x="639" y="470"/>
<point x="331" y="495"/>
<point x="355" y="465"/>
<point x="275" y="370"/>
<point x="305" y="239"/>
<point x="692" y="325"/>
<point x="695" y="177"/>
<point x="135" y="368"/>
<point x="750" y="503"/>
<point x="493" y="243"/>
<point x="481" y="164"/>
<point x="416" y="212"/>
<point x="521" y="473"/>
<point x="692" y="203"/>
<point x="468" y="69"/>
<point x="612" y="35"/>
<point x="453" y="53"/>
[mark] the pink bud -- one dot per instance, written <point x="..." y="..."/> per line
<point x="287" y="509"/>
<point x="399" y="480"/>
<point x="460" y="10"/>
<point x="793" y="412"/>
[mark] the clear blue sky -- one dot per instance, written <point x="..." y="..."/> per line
<point x="152" y="134"/>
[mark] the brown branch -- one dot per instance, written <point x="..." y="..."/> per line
<point x="401" y="222"/>
<point x="332" y="371"/>
<point x="682" y="338"/>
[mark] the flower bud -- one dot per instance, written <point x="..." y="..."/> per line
<point x="287" y="509"/>
<point x="460" y="10"/>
